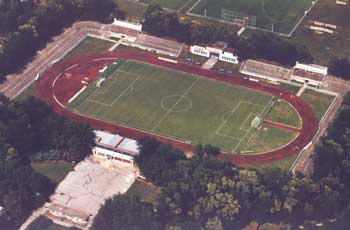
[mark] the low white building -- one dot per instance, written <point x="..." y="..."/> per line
<point x="111" y="147"/>
<point x="69" y="214"/>
<point x="128" y="25"/>
<point x="309" y="73"/>
<point x="219" y="50"/>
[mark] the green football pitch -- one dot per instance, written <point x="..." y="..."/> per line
<point x="279" y="15"/>
<point x="175" y="104"/>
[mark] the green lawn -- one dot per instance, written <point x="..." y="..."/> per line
<point x="283" y="113"/>
<point x="284" y="164"/>
<point x="227" y="66"/>
<point x="289" y="87"/>
<point x="133" y="9"/>
<point x="318" y="101"/>
<point x="195" y="58"/>
<point x="146" y="192"/>
<point x="27" y="93"/>
<point x="56" y="171"/>
<point x="169" y="4"/>
<point x="283" y="14"/>
<point x="269" y="138"/>
<point x="44" y="223"/>
<point x="175" y="104"/>
<point x="324" y="47"/>
<point x="90" y="44"/>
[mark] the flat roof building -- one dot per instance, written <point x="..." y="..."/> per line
<point x="309" y="73"/>
<point x="112" y="147"/>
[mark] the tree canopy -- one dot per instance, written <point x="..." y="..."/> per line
<point x="23" y="23"/>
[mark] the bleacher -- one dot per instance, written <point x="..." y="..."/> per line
<point x="159" y="45"/>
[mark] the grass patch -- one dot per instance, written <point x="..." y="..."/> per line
<point x="326" y="46"/>
<point x="227" y="66"/>
<point x="145" y="191"/>
<point x="282" y="15"/>
<point x="44" y="223"/>
<point x="283" y="113"/>
<point x="269" y="138"/>
<point x="28" y="92"/>
<point x="90" y="44"/>
<point x="133" y="9"/>
<point x="169" y="4"/>
<point x="55" y="171"/>
<point x="174" y="104"/>
<point x="318" y="101"/>
<point x="284" y="164"/>
<point x="195" y="58"/>
<point x="289" y="87"/>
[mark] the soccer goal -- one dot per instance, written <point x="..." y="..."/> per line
<point x="256" y="122"/>
<point x="238" y="18"/>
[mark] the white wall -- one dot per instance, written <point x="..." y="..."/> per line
<point x="128" y="25"/>
<point x="229" y="57"/>
<point x="201" y="51"/>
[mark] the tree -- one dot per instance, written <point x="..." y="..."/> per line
<point x="127" y="212"/>
<point x="211" y="150"/>
<point x="340" y="67"/>
<point x="214" y="223"/>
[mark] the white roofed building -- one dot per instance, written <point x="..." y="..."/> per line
<point x="309" y="73"/>
<point x="116" y="148"/>
<point x="218" y="49"/>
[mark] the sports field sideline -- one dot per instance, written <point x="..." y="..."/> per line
<point x="279" y="15"/>
<point x="175" y="104"/>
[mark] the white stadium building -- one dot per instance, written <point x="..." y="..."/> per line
<point x="114" y="148"/>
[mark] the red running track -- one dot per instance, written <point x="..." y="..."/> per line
<point x="62" y="81"/>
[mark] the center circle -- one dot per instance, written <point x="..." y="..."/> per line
<point x="176" y="103"/>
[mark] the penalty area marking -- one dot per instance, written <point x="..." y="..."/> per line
<point x="245" y="121"/>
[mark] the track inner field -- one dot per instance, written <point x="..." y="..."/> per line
<point x="175" y="104"/>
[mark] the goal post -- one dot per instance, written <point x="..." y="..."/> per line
<point x="256" y="122"/>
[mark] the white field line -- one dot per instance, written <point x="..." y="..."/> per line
<point x="245" y="121"/>
<point x="125" y="125"/>
<point x="97" y="102"/>
<point x="173" y="107"/>
<point x="58" y="102"/>
<point x="77" y="94"/>
<point x="205" y="78"/>
<point x="228" y="136"/>
<point x="228" y="118"/>
<point x="125" y="90"/>
<point x="71" y="67"/>
<point x="266" y="106"/>
<point x="105" y="90"/>
<point x="104" y="59"/>
<point x="54" y="82"/>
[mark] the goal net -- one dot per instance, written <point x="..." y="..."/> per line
<point x="238" y="18"/>
<point x="256" y="122"/>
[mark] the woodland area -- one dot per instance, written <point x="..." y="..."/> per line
<point x="27" y="128"/>
<point x="25" y="27"/>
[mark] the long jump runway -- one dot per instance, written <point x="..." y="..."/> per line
<point x="65" y="79"/>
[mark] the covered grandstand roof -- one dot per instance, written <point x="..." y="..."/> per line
<point x="312" y="72"/>
<point x="107" y="139"/>
<point x="160" y="44"/>
<point x="129" y="145"/>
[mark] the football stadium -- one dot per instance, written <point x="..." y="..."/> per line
<point x="139" y="95"/>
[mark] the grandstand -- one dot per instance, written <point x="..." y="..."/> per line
<point x="265" y="70"/>
<point x="158" y="45"/>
